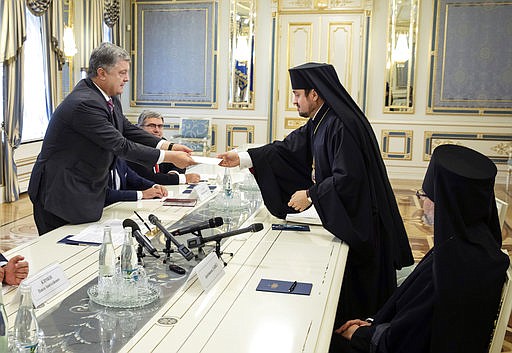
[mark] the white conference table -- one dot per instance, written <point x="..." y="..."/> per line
<point x="231" y="316"/>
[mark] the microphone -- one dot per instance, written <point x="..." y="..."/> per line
<point x="199" y="241"/>
<point x="211" y="223"/>
<point x="182" y="249"/>
<point x="141" y="238"/>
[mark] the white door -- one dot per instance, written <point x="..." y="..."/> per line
<point x="334" y="39"/>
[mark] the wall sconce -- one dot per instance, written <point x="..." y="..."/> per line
<point x="69" y="42"/>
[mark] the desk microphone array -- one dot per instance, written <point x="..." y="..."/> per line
<point x="182" y="249"/>
<point x="141" y="238"/>
<point x="196" y="229"/>
<point x="200" y="241"/>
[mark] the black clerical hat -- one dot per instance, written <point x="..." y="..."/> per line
<point x="303" y="76"/>
<point x="457" y="166"/>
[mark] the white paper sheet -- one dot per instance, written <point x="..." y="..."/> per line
<point x="206" y="160"/>
<point x="94" y="232"/>
<point x="308" y="216"/>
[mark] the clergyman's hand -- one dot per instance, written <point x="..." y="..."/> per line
<point x="229" y="159"/>
<point x="299" y="201"/>
<point x="349" y="327"/>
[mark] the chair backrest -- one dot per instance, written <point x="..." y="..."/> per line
<point x="195" y="128"/>
<point x="195" y="133"/>
<point x="502" y="207"/>
<point x="503" y="316"/>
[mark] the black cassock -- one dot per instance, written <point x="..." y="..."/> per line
<point x="352" y="196"/>
<point x="448" y="304"/>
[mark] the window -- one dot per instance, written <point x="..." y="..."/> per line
<point x="35" y="112"/>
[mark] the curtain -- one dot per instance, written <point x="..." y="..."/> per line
<point x="92" y="29"/>
<point x="111" y="18"/>
<point x="12" y="37"/>
<point x="53" y="25"/>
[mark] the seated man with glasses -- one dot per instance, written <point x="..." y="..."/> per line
<point x="163" y="173"/>
<point x="450" y="301"/>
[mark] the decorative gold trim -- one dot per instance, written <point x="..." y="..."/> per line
<point x="248" y="130"/>
<point x="294" y="123"/>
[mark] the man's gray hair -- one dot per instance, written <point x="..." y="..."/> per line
<point x="147" y="114"/>
<point x="106" y="56"/>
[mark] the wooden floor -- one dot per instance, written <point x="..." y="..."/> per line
<point x="17" y="225"/>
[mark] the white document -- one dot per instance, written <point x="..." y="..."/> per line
<point x="206" y="160"/>
<point x="94" y="232"/>
<point x="308" y="216"/>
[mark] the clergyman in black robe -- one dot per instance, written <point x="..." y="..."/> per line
<point x="448" y="304"/>
<point x="334" y="162"/>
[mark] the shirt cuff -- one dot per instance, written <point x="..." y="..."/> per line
<point x="139" y="195"/>
<point x="160" y="143"/>
<point x="245" y="160"/>
<point x="162" y="157"/>
<point x="3" y="263"/>
<point x="183" y="178"/>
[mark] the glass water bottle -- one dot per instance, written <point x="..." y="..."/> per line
<point x="3" y="324"/>
<point x="26" y="329"/>
<point x="128" y="255"/>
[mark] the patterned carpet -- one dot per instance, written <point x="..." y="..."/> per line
<point x="17" y="226"/>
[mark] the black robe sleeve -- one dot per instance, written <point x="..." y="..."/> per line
<point x="281" y="168"/>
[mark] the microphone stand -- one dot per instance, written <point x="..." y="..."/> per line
<point x="220" y="253"/>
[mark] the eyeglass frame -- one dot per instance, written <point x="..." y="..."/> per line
<point x="153" y="126"/>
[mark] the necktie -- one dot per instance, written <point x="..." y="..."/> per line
<point x="157" y="168"/>
<point x="110" y="105"/>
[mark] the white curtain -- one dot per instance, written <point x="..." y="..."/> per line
<point x="92" y="29"/>
<point x="12" y="36"/>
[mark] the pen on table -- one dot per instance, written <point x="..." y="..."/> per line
<point x="142" y="220"/>
<point x="292" y="287"/>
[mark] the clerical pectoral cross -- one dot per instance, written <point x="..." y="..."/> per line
<point x="313" y="145"/>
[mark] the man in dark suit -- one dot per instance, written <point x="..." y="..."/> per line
<point x="13" y="271"/>
<point x="163" y="173"/>
<point x="86" y="133"/>
<point x="126" y="185"/>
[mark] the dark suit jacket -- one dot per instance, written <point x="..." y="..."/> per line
<point x="130" y="181"/>
<point x="70" y="175"/>
<point x="162" y="177"/>
<point x="2" y="258"/>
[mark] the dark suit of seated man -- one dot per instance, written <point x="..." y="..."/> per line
<point x="163" y="173"/>
<point x="13" y="271"/>
<point x="126" y="185"/>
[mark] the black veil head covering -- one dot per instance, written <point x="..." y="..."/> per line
<point x="460" y="181"/>
<point x="468" y="264"/>
<point x="324" y="80"/>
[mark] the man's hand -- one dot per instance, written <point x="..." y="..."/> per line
<point x="180" y="159"/>
<point x="192" y="178"/>
<point x="157" y="191"/>
<point x="178" y="147"/>
<point x="15" y="271"/>
<point x="299" y="201"/>
<point x="349" y="327"/>
<point x="229" y="159"/>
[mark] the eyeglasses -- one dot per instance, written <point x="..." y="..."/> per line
<point x="154" y="126"/>
<point x="420" y="194"/>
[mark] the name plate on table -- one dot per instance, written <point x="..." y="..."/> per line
<point x="47" y="283"/>
<point x="202" y="191"/>
<point x="208" y="271"/>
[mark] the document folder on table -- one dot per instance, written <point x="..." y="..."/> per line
<point x="288" y="287"/>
